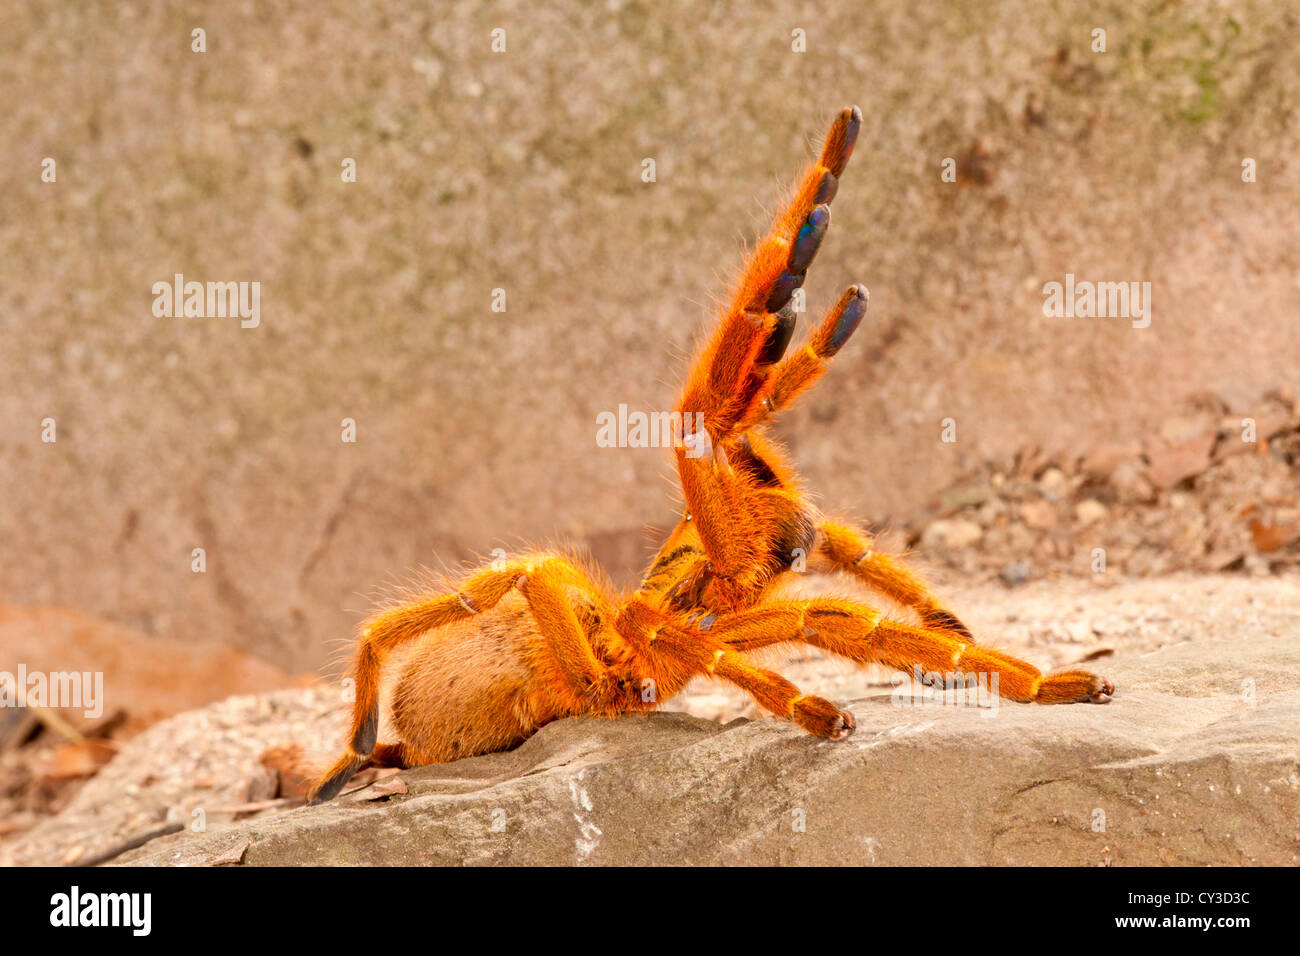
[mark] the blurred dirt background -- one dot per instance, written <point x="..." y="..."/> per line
<point x="521" y="171"/>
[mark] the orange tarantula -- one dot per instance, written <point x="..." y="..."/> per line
<point x="536" y="638"/>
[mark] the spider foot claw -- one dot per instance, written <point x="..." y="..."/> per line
<point x="843" y="321"/>
<point x="820" y="717"/>
<point x="1074" y="685"/>
<point x="842" y="139"/>
<point x="1103" y="693"/>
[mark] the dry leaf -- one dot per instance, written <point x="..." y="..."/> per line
<point x="233" y="856"/>
<point x="1169" y="466"/>
<point x="1272" y="536"/>
<point x="385" y="788"/>
<point x="80" y="759"/>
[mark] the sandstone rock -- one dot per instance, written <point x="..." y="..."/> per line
<point x="147" y="677"/>
<point x="1193" y="763"/>
<point x="1053" y="482"/>
<point x="1015" y="572"/>
<point x="1130" y="483"/>
<point x="1183" y="767"/>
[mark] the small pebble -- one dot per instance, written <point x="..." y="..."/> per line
<point x="1016" y="572"/>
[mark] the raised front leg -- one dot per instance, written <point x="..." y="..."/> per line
<point x="753" y="334"/>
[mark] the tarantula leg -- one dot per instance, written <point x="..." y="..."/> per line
<point x="391" y="629"/>
<point x="682" y="652"/>
<point x="337" y="777"/>
<point x="778" y="340"/>
<point x="838" y="148"/>
<point x="806" y="243"/>
<point x="755" y="330"/>
<point x="937" y="619"/>
<point x="796" y="374"/>
<point x="847" y="550"/>
<point x="860" y="633"/>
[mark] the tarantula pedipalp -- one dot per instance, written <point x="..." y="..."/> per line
<point x="540" y="637"/>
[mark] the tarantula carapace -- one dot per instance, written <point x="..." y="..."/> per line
<point x="529" y="640"/>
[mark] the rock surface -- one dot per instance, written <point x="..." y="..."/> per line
<point x="1196" y="761"/>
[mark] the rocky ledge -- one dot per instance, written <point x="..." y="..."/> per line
<point x="1196" y="761"/>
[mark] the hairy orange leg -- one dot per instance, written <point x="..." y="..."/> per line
<point x="756" y="328"/>
<point x="739" y="525"/>
<point x="680" y="652"/>
<point x="797" y="373"/>
<point x="861" y="634"/>
<point x="542" y="581"/>
<point x="848" y="550"/>
<point x="738" y="522"/>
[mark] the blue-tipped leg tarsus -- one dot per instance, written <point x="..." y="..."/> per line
<point x="848" y="321"/>
<point x="779" y="338"/>
<point x="809" y="239"/>
<point x="827" y="189"/>
<point x="843" y="138"/>
<point x="782" y="290"/>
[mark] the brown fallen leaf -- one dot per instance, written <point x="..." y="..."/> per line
<point x="364" y="778"/>
<point x="1222" y="559"/>
<point x="385" y="788"/>
<point x="82" y="759"/>
<point x="1173" y="464"/>
<point x="232" y="857"/>
<point x="1272" y="536"/>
